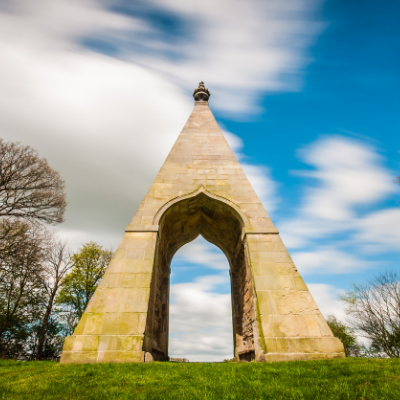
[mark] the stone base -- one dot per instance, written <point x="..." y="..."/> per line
<point x="86" y="349"/>
<point x="276" y="357"/>
<point x="92" y="357"/>
<point x="293" y="349"/>
<point x="89" y="349"/>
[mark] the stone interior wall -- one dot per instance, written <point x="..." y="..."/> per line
<point x="243" y="306"/>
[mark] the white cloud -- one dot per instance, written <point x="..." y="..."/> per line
<point x="379" y="231"/>
<point x="106" y="124"/>
<point x="241" y="49"/>
<point x="328" y="261"/>
<point x="347" y="176"/>
<point x="201" y="320"/>
<point x="201" y="252"/>
<point x="348" y="173"/>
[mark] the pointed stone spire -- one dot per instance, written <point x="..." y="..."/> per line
<point x="201" y="93"/>
<point x="201" y="189"/>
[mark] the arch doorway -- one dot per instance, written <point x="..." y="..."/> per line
<point x="220" y="224"/>
<point x="200" y="309"/>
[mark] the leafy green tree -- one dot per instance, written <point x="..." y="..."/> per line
<point x="345" y="334"/>
<point x="77" y="288"/>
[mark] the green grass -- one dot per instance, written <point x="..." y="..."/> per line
<point x="330" y="379"/>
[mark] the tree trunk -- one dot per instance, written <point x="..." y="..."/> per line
<point x="42" y="334"/>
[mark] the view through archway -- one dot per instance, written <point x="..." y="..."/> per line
<point x="200" y="314"/>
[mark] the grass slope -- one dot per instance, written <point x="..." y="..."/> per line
<point x="331" y="379"/>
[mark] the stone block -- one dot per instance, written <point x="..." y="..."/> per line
<point x="275" y="345"/>
<point x="78" y="357"/>
<point x="120" y="356"/>
<point x="104" y="300"/>
<point x="81" y="325"/>
<point x="86" y="343"/>
<point x="266" y="326"/>
<point x="274" y="269"/>
<point x="119" y="254"/>
<point x="312" y="325"/>
<point x="284" y="357"/>
<point x="289" y="326"/>
<point x="270" y="246"/>
<point x="68" y="343"/>
<point x="136" y="243"/>
<point x="131" y="323"/>
<point x="120" y="343"/>
<point x="115" y="265"/>
<point x="94" y="322"/>
<point x="135" y="254"/>
<point x="110" y="324"/>
<point x="273" y="282"/>
<point x="137" y="266"/>
<point x="126" y="280"/>
<point x="133" y="300"/>
<point x="294" y="302"/>
<point x="264" y="303"/>
<point x="267" y="256"/>
<point x="314" y="345"/>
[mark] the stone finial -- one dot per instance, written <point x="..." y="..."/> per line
<point x="201" y="93"/>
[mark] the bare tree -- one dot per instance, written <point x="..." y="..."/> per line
<point x="57" y="264"/>
<point x="29" y="187"/>
<point x="373" y="310"/>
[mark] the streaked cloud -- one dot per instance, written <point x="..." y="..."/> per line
<point x="328" y="260"/>
<point x="347" y="173"/>
<point x="334" y="224"/>
<point x="106" y="120"/>
<point x="379" y="231"/>
<point x="200" y="252"/>
<point x="201" y="320"/>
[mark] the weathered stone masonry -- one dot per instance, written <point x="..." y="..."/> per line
<point x="201" y="189"/>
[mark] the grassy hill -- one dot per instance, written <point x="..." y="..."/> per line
<point x="314" y="380"/>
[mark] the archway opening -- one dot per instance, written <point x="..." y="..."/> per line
<point x="220" y="224"/>
<point x="200" y="310"/>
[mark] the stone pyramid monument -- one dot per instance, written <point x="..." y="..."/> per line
<point x="201" y="189"/>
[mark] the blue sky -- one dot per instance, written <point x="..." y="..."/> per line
<point x="306" y="92"/>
